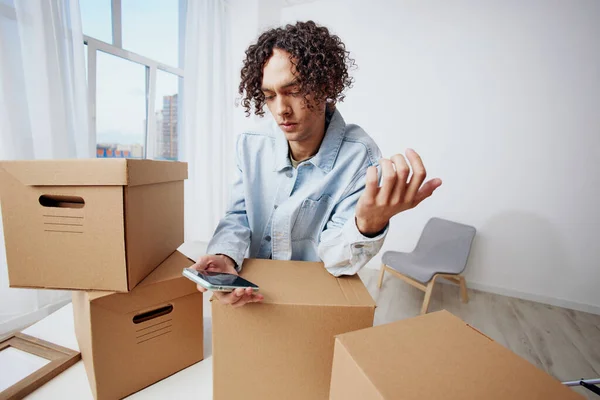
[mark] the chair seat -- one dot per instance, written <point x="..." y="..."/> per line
<point x="414" y="266"/>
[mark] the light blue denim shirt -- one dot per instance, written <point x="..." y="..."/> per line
<point x="305" y="213"/>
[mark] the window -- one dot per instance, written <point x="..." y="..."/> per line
<point x="166" y="106"/>
<point x="96" y="19"/>
<point x="134" y="76"/>
<point x="120" y="107"/>
<point x="151" y="28"/>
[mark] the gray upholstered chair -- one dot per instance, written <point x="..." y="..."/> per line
<point x="442" y="252"/>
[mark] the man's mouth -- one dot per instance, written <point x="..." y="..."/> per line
<point x="288" y="126"/>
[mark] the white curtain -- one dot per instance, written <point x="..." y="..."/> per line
<point x="43" y="114"/>
<point x="208" y="100"/>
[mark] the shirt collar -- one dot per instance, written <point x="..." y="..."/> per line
<point x="327" y="154"/>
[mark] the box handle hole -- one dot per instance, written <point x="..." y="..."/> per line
<point x="148" y="315"/>
<point x="57" y="201"/>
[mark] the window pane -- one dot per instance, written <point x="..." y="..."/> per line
<point x="151" y="29"/>
<point x="96" y="17"/>
<point x="120" y="107"/>
<point x="166" y="107"/>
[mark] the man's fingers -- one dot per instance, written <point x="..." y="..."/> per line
<point x="229" y="298"/>
<point x="388" y="180"/>
<point x="257" y="297"/>
<point x="245" y="299"/>
<point x="427" y="190"/>
<point x="402" y="172"/>
<point x="418" y="176"/>
<point x="201" y="264"/>
<point x="201" y="288"/>
<point x="248" y="298"/>
<point x="371" y="185"/>
<point x="213" y="268"/>
<point x="237" y="295"/>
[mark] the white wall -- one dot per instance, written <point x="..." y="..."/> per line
<point x="502" y="99"/>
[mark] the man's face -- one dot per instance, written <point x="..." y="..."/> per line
<point x="285" y="101"/>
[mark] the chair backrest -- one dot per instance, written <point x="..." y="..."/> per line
<point x="445" y="243"/>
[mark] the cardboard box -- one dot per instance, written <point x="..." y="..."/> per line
<point x="434" y="356"/>
<point x="129" y="341"/>
<point x="282" y="348"/>
<point x="97" y="224"/>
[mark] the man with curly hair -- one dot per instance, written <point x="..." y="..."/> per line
<point x="307" y="188"/>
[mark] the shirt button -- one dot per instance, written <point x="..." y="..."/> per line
<point x="268" y="238"/>
<point x="289" y="174"/>
<point x="275" y="206"/>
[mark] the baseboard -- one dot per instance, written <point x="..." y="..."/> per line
<point x="573" y="305"/>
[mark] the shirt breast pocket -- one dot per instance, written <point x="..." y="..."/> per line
<point x="311" y="217"/>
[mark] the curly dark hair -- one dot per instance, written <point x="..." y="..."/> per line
<point x="320" y="59"/>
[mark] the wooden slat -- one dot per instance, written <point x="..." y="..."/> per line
<point x="61" y="359"/>
<point x="406" y="279"/>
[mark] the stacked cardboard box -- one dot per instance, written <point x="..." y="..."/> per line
<point x="108" y="229"/>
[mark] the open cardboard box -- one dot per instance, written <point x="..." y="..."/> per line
<point x="93" y="224"/>
<point x="282" y="348"/>
<point x="434" y="356"/>
<point x="131" y="340"/>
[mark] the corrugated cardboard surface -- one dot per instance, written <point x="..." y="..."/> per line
<point x="434" y="356"/>
<point x="348" y="379"/>
<point x="304" y="283"/>
<point x="283" y="348"/>
<point x="88" y="246"/>
<point x="154" y="226"/>
<point x="121" y="356"/>
<point x="94" y="172"/>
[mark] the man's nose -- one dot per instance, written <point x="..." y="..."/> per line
<point x="282" y="106"/>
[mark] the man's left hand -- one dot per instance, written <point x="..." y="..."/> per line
<point x="377" y="205"/>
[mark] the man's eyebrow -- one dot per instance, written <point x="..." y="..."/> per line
<point x="287" y="85"/>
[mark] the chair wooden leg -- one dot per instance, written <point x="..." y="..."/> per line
<point x="427" y="296"/>
<point x="463" y="289"/>
<point x="381" y="276"/>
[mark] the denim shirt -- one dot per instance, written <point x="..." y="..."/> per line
<point x="304" y="213"/>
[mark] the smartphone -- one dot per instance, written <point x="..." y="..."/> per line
<point x="217" y="281"/>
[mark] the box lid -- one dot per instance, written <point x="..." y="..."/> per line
<point x="163" y="284"/>
<point x="439" y="356"/>
<point x="304" y="283"/>
<point x="95" y="172"/>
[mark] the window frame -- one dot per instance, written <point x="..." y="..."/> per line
<point x="151" y="66"/>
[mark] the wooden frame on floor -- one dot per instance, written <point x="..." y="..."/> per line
<point x="428" y="288"/>
<point x="60" y="358"/>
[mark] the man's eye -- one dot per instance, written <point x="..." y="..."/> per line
<point x="269" y="97"/>
<point x="295" y="93"/>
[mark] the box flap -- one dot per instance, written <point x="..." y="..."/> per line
<point x="439" y="356"/>
<point x="164" y="284"/>
<point x="304" y="283"/>
<point x="94" y="172"/>
<point x="145" y="172"/>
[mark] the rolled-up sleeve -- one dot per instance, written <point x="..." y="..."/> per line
<point x="342" y="247"/>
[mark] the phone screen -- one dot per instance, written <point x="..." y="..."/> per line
<point x="222" y="279"/>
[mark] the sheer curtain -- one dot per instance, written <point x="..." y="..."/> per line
<point x="208" y="137"/>
<point x="43" y="114"/>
